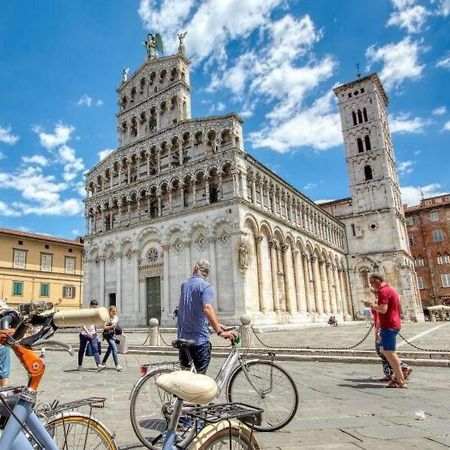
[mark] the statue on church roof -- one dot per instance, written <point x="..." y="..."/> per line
<point x="181" y="48"/>
<point x="154" y="45"/>
<point x="125" y="74"/>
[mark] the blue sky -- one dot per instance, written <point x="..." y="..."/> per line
<point x="275" y="62"/>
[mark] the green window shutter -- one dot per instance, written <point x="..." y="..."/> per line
<point x="44" y="289"/>
<point x="17" y="288"/>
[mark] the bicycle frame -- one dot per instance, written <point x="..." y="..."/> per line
<point x="22" y="416"/>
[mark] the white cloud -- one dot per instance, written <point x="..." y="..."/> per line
<point x="405" y="167"/>
<point x="444" y="8"/>
<point x="72" y="164"/>
<point x="6" y="137"/>
<point x="400" y="61"/>
<point x="85" y="100"/>
<point x="318" y="126"/>
<point x="403" y="124"/>
<point x="439" y="111"/>
<point x="76" y="232"/>
<point x="444" y="62"/>
<point x="41" y="193"/>
<point x="408" y="15"/>
<point x="210" y="24"/>
<point x="61" y="135"/>
<point x="2" y="156"/>
<point x="446" y="126"/>
<point x="104" y="153"/>
<point x="411" y="195"/>
<point x="35" y="159"/>
<point x="6" y="211"/>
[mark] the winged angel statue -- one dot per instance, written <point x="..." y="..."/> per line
<point x="154" y="45"/>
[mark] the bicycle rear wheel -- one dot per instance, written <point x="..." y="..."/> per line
<point x="267" y="386"/>
<point x="225" y="435"/>
<point x="76" y="431"/>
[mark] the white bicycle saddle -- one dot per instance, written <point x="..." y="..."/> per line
<point x="189" y="386"/>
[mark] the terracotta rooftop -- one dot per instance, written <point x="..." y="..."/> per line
<point x="429" y="203"/>
<point x="42" y="237"/>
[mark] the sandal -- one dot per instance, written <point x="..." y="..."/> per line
<point x="397" y="385"/>
<point x="406" y="373"/>
<point x="386" y="378"/>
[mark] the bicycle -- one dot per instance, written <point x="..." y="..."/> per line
<point x="258" y="382"/>
<point x="57" y="426"/>
<point x="211" y="427"/>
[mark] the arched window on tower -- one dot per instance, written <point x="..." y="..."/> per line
<point x="354" y="118"/>
<point x="365" y="115"/>
<point x="367" y="142"/>
<point x="368" y="172"/>
<point x="360" y="145"/>
<point x="360" y="117"/>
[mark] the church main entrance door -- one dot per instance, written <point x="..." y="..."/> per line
<point x="154" y="298"/>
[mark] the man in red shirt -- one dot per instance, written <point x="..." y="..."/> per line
<point x="388" y="312"/>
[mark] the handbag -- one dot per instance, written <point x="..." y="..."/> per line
<point x="90" y="351"/>
<point x="118" y="330"/>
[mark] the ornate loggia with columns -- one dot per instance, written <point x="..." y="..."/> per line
<point x="178" y="189"/>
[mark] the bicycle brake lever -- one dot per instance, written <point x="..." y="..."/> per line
<point x="47" y="343"/>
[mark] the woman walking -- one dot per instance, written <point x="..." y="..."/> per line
<point x="109" y="330"/>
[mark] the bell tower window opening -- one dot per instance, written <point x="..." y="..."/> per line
<point x="368" y="173"/>
<point x="365" y="115"/>
<point x="354" y="118"/>
<point x="360" y="117"/>
<point x="360" y="145"/>
<point x="367" y="142"/>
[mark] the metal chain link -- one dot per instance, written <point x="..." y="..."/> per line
<point x="312" y="348"/>
<point x="423" y="349"/>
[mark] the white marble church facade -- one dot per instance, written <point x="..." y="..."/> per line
<point x="178" y="189"/>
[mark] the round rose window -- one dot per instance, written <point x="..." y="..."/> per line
<point x="152" y="255"/>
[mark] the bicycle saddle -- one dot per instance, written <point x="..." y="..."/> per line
<point x="182" y="343"/>
<point x="189" y="386"/>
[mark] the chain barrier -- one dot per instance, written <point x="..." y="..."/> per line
<point x="312" y="348"/>
<point x="423" y="349"/>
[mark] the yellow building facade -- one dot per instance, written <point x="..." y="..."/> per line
<point x="36" y="267"/>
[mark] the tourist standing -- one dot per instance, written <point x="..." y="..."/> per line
<point x="88" y="334"/>
<point x="388" y="313"/>
<point x="195" y="312"/>
<point x="109" y="332"/>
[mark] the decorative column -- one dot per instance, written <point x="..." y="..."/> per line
<point x="139" y="209"/>
<point x="170" y="199"/>
<point x="299" y="280"/>
<point x="158" y="156"/>
<point x="182" y="196"/>
<point x="244" y="184"/>
<point x="317" y="286"/>
<point x="129" y="172"/>
<point x="234" y="174"/>
<point x="136" y="260"/>
<point x="194" y="194"/>
<point x="213" y="272"/>
<point x="287" y="278"/>
<point x="102" y="215"/>
<point x="324" y="284"/>
<point x="219" y="174"/>
<point x="331" y="290"/>
<point x="111" y="218"/>
<point x="158" y="193"/>
<point x="102" y="280"/>
<point x="307" y="271"/>
<point x="187" y="249"/>
<point x="253" y="190"/>
<point x="347" y="301"/>
<point x="262" y="305"/>
<point x="337" y="286"/>
<point x="166" y="298"/>
<point x="120" y="306"/>
<point x="273" y="267"/>
<point x="148" y="165"/>
<point x="207" y="189"/>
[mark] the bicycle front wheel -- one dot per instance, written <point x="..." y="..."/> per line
<point x="267" y="386"/>
<point x="150" y="408"/>
<point x="76" y="431"/>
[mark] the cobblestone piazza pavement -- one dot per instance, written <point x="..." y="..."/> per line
<point x="342" y="406"/>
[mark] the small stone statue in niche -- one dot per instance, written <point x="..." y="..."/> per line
<point x="243" y="256"/>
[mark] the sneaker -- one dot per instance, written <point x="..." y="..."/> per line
<point x="100" y="367"/>
<point x="119" y="368"/>
<point x="80" y="368"/>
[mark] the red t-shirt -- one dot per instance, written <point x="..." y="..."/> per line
<point x="391" y="319"/>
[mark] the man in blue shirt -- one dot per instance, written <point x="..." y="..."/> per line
<point x="195" y="312"/>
